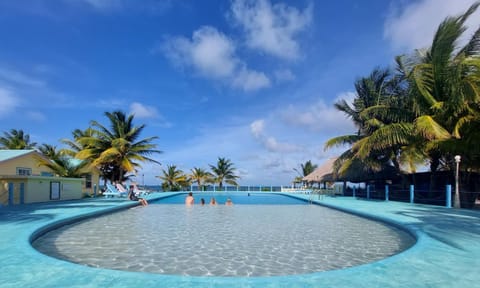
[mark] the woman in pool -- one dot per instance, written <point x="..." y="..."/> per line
<point x="229" y="202"/>
<point x="213" y="201"/>
<point x="133" y="197"/>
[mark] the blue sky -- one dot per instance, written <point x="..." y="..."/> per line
<point x="252" y="81"/>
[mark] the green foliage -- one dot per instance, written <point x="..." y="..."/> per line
<point x="16" y="139"/>
<point x="173" y="179"/>
<point x="224" y="171"/>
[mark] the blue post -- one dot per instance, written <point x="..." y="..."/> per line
<point x="191" y="187"/>
<point x="94" y="190"/>
<point x="22" y="193"/>
<point x="449" y="196"/>
<point x="386" y="192"/>
<point x="271" y="188"/>
<point x="412" y="194"/>
<point x="213" y="187"/>
<point x="10" y="193"/>
<point x="237" y="188"/>
<point x="353" y="191"/>
<point x="368" y="191"/>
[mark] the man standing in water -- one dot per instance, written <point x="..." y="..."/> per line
<point x="189" y="199"/>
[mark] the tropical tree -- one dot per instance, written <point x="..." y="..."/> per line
<point x="173" y="179"/>
<point x="305" y="169"/>
<point x="61" y="164"/>
<point x="374" y="107"/>
<point x="16" y="139"/>
<point x="200" y="176"/>
<point x="116" y="150"/>
<point x="224" y="171"/>
<point x="445" y="81"/>
<point x="308" y="168"/>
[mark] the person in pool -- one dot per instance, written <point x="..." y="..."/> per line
<point x="189" y="200"/>
<point x="213" y="201"/>
<point x="202" y="201"/>
<point x="133" y="197"/>
<point x="229" y="202"/>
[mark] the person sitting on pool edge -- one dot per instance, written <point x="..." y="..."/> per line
<point x="133" y="197"/>
<point x="213" y="201"/>
<point x="189" y="200"/>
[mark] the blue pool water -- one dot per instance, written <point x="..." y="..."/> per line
<point x="243" y="240"/>
<point x="237" y="198"/>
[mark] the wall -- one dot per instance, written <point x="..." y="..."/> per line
<point x="9" y="167"/>
<point x="37" y="189"/>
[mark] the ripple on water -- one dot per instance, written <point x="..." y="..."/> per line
<point x="241" y="240"/>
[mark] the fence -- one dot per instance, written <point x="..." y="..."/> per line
<point x="433" y="197"/>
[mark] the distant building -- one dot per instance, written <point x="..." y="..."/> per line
<point x="23" y="180"/>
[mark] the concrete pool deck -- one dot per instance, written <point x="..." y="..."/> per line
<point x="446" y="254"/>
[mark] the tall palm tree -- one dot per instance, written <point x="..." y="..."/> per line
<point x="117" y="149"/>
<point x="16" y="139"/>
<point x="200" y="176"/>
<point x="224" y="171"/>
<point x="446" y="86"/>
<point x="374" y="95"/>
<point x="173" y="179"/>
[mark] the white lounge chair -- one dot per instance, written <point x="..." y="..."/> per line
<point x="113" y="192"/>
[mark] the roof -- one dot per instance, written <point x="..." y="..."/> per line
<point x="10" y="154"/>
<point x="322" y="173"/>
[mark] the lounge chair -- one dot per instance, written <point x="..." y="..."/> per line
<point x="113" y="192"/>
<point x="139" y="192"/>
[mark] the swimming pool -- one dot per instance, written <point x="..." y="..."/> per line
<point x="243" y="240"/>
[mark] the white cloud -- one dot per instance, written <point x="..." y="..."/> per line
<point x="8" y="102"/>
<point x="142" y="111"/>
<point x="212" y="55"/>
<point x="271" y="28"/>
<point x="257" y="128"/>
<point x="413" y="26"/>
<point x="318" y="117"/>
<point x="250" y="80"/>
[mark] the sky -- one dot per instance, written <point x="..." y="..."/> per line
<point x="250" y="81"/>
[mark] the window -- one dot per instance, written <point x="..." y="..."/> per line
<point x="88" y="180"/>
<point x="24" y="171"/>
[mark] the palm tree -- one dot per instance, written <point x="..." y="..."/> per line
<point x="374" y="96"/>
<point x="200" y="176"/>
<point x="446" y="86"/>
<point x="116" y="151"/>
<point x="16" y="139"/>
<point x="49" y="151"/>
<point x="306" y="169"/>
<point x="224" y="171"/>
<point x="173" y="179"/>
<point x="61" y="164"/>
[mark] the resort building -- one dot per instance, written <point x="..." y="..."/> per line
<point x="23" y="180"/>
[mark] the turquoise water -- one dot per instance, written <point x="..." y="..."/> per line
<point x="243" y="240"/>
<point x="242" y="198"/>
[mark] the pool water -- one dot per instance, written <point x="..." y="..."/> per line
<point x="242" y="240"/>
